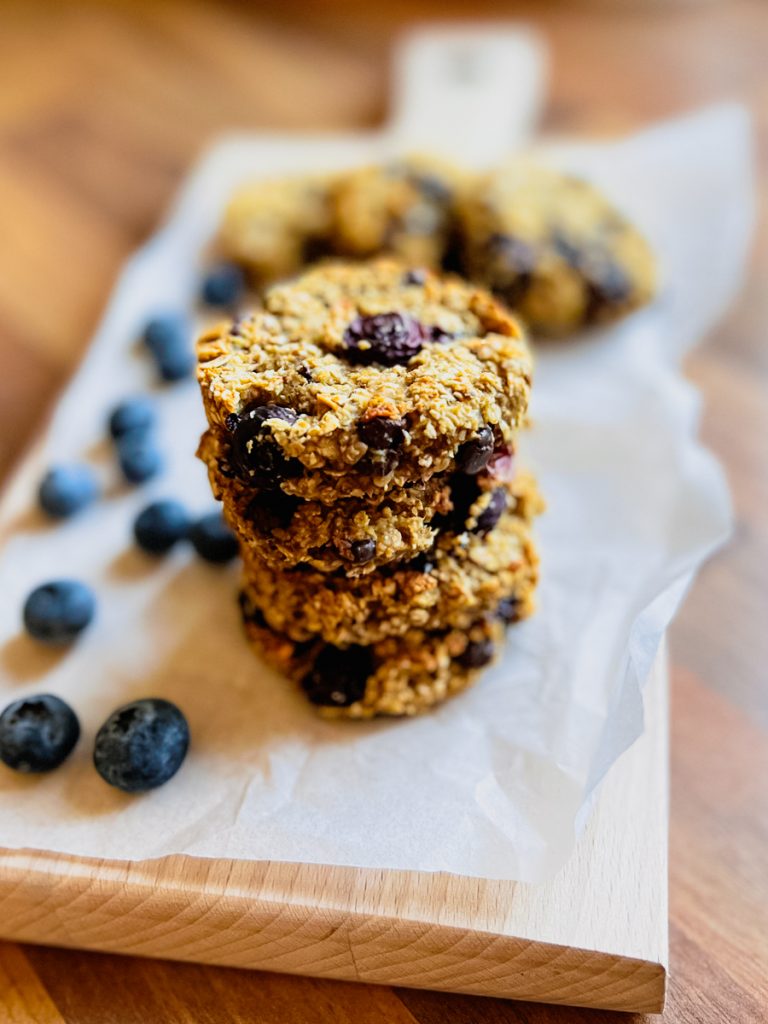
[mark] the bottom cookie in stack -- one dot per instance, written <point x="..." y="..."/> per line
<point x="399" y="675"/>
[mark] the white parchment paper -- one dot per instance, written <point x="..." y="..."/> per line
<point x="495" y="782"/>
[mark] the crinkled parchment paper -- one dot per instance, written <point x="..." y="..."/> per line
<point x="495" y="782"/>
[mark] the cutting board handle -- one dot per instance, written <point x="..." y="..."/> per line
<point x="471" y="92"/>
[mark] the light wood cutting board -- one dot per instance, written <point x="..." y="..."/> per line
<point x="596" y="935"/>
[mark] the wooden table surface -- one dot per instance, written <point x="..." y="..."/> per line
<point x="102" y="107"/>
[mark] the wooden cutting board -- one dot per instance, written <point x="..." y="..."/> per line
<point x="596" y="935"/>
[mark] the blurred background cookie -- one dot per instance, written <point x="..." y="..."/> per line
<point x="553" y="248"/>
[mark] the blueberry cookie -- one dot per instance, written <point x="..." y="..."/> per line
<point x="273" y="228"/>
<point x="402" y="675"/>
<point x="353" y="535"/>
<point x="354" y="379"/>
<point x="405" y="208"/>
<point x="553" y="248"/>
<point x="465" y="576"/>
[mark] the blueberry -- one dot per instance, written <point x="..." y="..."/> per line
<point x="65" y="490"/>
<point x="415" y="277"/>
<point x="223" y="285"/>
<point x="133" y="415"/>
<point x="339" y="677"/>
<point x="256" y="415"/>
<point x="362" y="551"/>
<point x="272" y="510"/>
<point x="175" y="363"/>
<point x="141" y="745"/>
<point x="492" y="512"/>
<point x="421" y="563"/>
<point x="512" y="265"/>
<point x="167" y="338"/>
<point x="212" y="539"/>
<point x="166" y="331"/>
<point x="379" y="463"/>
<point x="57" y="612"/>
<point x="508" y="610"/>
<point x="476" y="654"/>
<point x="464" y="493"/>
<point x="433" y="188"/>
<point x="37" y="733"/>
<point x="258" y="456"/>
<point x="388" y="338"/>
<point x="139" y="458"/>
<point x="161" y="525"/>
<point x="607" y="286"/>
<point x="251" y="614"/>
<point x="571" y="252"/>
<point x="382" y="433"/>
<point x="475" y="455"/>
<point x="513" y="254"/>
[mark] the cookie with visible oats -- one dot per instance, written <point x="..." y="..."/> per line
<point x="352" y="535"/>
<point x="354" y="379"/>
<point x="273" y="228"/>
<point x="553" y="248"/>
<point x="491" y="563"/>
<point x="405" y="208"/>
<point x="399" y="676"/>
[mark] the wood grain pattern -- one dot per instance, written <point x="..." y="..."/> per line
<point x="101" y="109"/>
<point x="595" y="935"/>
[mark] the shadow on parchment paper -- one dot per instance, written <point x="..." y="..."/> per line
<point x="132" y="564"/>
<point x="237" y="707"/>
<point x="22" y="658"/>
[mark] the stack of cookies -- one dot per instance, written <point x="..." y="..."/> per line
<point x="361" y="432"/>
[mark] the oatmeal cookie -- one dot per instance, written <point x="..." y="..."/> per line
<point x="403" y="675"/>
<point x="466" y="575"/>
<point x="353" y="535"/>
<point x="553" y="248"/>
<point x="273" y="228"/>
<point x="405" y="208"/>
<point x="355" y="379"/>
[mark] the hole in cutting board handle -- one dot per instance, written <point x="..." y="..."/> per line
<point x="470" y="92"/>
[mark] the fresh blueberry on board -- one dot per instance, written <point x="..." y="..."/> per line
<point x="212" y="539"/>
<point x="132" y="416"/>
<point x="37" y="733"/>
<point x="223" y="285"/>
<point x="57" y="612"/>
<point x="139" y="458"/>
<point x="65" y="490"/>
<point x="161" y="525"/>
<point x="141" y="745"/>
<point x="175" y="362"/>
<point x="166" y="331"/>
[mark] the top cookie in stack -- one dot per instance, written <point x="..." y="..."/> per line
<point x="359" y="379"/>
